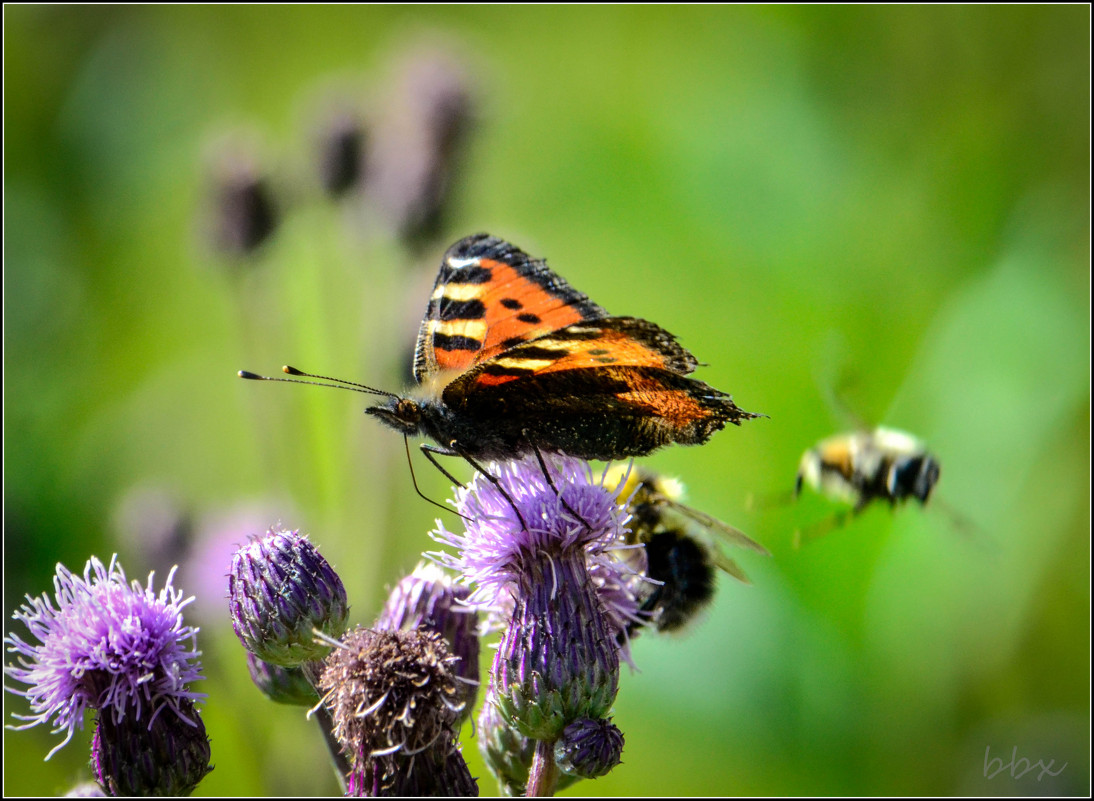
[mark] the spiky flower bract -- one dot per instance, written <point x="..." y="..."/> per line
<point x="108" y="645"/>
<point x="169" y="758"/>
<point x="280" y="591"/>
<point x="508" y="753"/>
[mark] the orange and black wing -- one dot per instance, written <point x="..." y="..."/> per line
<point x="490" y="297"/>
<point x="598" y="389"/>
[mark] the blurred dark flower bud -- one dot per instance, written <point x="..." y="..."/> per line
<point x="150" y="521"/>
<point x="413" y="152"/>
<point x="280" y="592"/>
<point x="244" y="214"/>
<point x="589" y="748"/>
<point x="396" y="705"/>
<point x="427" y="599"/>
<point x="341" y="154"/>
<point x="282" y="685"/>
<point x="168" y="757"/>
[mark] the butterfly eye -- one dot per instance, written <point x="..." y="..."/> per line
<point x="408" y="411"/>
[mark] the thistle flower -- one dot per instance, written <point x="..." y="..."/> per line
<point x="395" y="705"/>
<point x="544" y="551"/>
<point x="280" y="590"/>
<point x="427" y="599"/>
<point x="106" y="645"/>
<point x="415" y="145"/>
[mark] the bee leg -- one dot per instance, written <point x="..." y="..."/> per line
<point x="551" y="484"/>
<point x="806" y="535"/>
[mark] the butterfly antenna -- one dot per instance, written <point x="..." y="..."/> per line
<point x="337" y="383"/>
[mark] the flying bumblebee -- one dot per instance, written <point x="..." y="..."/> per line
<point x="863" y="466"/>
<point x="681" y="555"/>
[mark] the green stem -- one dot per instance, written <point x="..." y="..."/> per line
<point x="543" y="775"/>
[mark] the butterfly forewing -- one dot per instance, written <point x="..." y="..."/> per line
<point x="490" y="297"/>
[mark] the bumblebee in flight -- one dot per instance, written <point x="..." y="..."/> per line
<point x="861" y="467"/>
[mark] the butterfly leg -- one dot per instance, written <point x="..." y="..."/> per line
<point x="429" y="450"/>
<point x="414" y="479"/>
<point x="455" y="450"/>
<point x="551" y="483"/>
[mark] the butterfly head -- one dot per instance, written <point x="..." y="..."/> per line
<point x="402" y="414"/>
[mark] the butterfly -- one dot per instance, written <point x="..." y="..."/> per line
<point x="512" y="360"/>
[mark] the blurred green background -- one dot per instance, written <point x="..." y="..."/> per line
<point x="892" y="203"/>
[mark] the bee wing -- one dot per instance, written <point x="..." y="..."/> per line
<point x="727" y="532"/>
<point x="723" y="562"/>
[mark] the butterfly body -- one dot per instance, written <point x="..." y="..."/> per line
<point x="510" y="359"/>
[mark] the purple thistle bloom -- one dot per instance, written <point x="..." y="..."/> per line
<point x="495" y="552"/>
<point x="543" y="553"/>
<point x="107" y="645"/>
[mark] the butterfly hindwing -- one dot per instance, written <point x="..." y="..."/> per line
<point x="597" y="389"/>
<point x="619" y="342"/>
<point x="489" y="297"/>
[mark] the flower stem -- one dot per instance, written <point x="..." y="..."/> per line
<point x="326" y="725"/>
<point x="543" y="775"/>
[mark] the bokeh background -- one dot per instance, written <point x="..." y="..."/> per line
<point x="879" y="213"/>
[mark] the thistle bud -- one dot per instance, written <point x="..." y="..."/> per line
<point x="281" y="591"/>
<point x="282" y="685"/>
<point x="589" y="748"/>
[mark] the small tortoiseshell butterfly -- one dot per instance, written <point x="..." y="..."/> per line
<point x="512" y="360"/>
